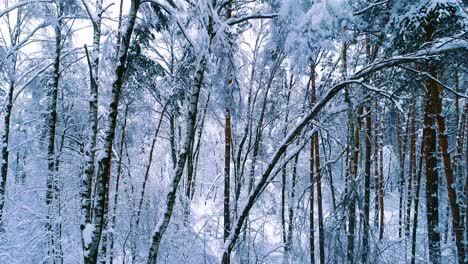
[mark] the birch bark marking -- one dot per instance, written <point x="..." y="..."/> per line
<point x="227" y="149"/>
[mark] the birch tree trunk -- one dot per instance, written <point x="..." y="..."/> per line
<point x="178" y="170"/>
<point x="411" y="169"/>
<point x="52" y="193"/>
<point x="284" y="226"/>
<point x="417" y="187"/>
<point x="90" y="149"/>
<point x="117" y="184"/>
<point x="92" y="232"/>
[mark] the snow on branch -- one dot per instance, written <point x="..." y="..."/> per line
<point x="20" y="4"/>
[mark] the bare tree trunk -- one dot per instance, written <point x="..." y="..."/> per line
<point x="352" y="189"/>
<point x="311" y="203"/>
<point x="92" y="232"/>
<point x="329" y="171"/>
<point x="315" y="143"/>
<point x="148" y="167"/>
<point x="117" y="184"/>
<point x="90" y="149"/>
<point x="196" y="153"/>
<point x="417" y="188"/>
<point x="227" y="148"/>
<point x="52" y="178"/>
<point x="296" y="131"/>
<point x="411" y="169"/>
<point x="227" y="169"/>
<point x="14" y="34"/>
<point x="402" y="142"/>
<point x="7" y="117"/>
<point x="312" y="162"/>
<point x="367" y="178"/>
<point x="381" y="184"/>
<point x="376" y="163"/>
<point x="172" y="129"/>
<point x="5" y="147"/>
<point x="289" y="234"/>
<point x="178" y="170"/>
<point x="239" y="169"/>
<point x="457" y="226"/>
<point x="432" y="181"/>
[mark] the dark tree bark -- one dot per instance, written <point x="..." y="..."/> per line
<point x="417" y="187"/>
<point x="90" y="149"/>
<point x="196" y="152"/>
<point x="227" y="149"/>
<point x="227" y="170"/>
<point x="312" y="163"/>
<point x="311" y="203"/>
<point x="302" y="124"/>
<point x="376" y="164"/>
<point x="381" y="184"/>
<point x="289" y="234"/>
<point x="432" y="180"/>
<point x="318" y="173"/>
<point x="402" y="143"/>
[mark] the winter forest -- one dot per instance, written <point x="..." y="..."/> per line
<point x="234" y="131"/>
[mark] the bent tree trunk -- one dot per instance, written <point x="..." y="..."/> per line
<point x="92" y="232"/>
<point x="179" y="169"/>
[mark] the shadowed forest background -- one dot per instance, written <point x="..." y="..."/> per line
<point x="234" y="131"/>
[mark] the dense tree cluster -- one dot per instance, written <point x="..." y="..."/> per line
<point x="234" y="131"/>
